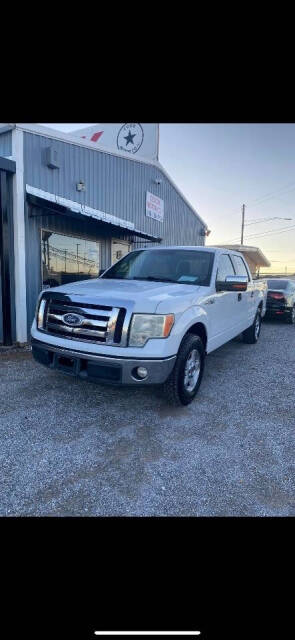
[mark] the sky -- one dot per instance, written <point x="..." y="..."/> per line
<point x="219" y="167"/>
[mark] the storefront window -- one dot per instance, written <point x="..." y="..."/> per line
<point x="67" y="258"/>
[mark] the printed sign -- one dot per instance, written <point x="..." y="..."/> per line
<point x="130" y="138"/>
<point x="154" y="207"/>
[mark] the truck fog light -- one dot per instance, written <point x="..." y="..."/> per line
<point x="141" y="372"/>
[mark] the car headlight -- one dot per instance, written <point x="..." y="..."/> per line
<point x="145" y="326"/>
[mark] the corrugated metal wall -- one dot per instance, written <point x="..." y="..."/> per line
<point x="5" y="144"/>
<point x="6" y="151"/>
<point x="12" y="286"/>
<point x="115" y="185"/>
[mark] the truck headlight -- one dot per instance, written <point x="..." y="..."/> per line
<point x="40" y="308"/>
<point x="145" y="326"/>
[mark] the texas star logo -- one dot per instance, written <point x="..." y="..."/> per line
<point x="130" y="137"/>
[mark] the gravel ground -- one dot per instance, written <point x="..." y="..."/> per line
<point x="71" y="448"/>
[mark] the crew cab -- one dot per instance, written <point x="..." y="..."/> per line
<point x="151" y="318"/>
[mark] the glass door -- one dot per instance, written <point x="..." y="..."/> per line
<point x="119" y="249"/>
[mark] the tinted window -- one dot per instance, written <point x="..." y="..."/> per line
<point x="240" y="266"/>
<point x="277" y="284"/>
<point x="166" y="265"/>
<point x="225" y="268"/>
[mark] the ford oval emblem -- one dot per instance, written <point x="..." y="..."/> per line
<point x="72" y="319"/>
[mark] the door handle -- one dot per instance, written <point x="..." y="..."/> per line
<point x="239" y="297"/>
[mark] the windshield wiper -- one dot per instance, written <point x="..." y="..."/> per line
<point x="153" y="279"/>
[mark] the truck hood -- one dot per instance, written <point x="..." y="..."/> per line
<point x="144" y="295"/>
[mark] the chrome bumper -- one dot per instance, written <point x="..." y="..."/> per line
<point x="99" y="368"/>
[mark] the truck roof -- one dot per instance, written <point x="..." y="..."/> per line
<point x="193" y="247"/>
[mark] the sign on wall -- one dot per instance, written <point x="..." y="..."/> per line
<point x="130" y="138"/>
<point x="154" y="207"/>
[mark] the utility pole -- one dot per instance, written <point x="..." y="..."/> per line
<point x="243" y="224"/>
<point x="78" y="245"/>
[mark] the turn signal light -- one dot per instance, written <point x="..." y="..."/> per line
<point x="168" y="324"/>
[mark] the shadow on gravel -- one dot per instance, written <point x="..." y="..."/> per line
<point x="68" y="447"/>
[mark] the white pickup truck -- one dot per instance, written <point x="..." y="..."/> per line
<point x="150" y="318"/>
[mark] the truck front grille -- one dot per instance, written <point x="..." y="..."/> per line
<point x="83" y="321"/>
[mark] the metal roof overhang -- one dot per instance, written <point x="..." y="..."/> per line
<point x="254" y="253"/>
<point x="7" y="165"/>
<point x="52" y="205"/>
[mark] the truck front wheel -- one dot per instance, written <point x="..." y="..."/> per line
<point x="184" y="381"/>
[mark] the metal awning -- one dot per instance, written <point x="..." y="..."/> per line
<point x="53" y="204"/>
<point x="253" y="253"/>
<point x="7" y="165"/>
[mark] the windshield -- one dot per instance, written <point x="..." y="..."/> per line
<point x="181" y="266"/>
<point x="277" y="284"/>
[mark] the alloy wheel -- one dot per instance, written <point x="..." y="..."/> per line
<point x="192" y="370"/>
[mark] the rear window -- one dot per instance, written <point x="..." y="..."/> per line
<point x="277" y="284"/>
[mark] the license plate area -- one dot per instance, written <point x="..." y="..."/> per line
<point x="87" y="369"/>
<point x="66" y="364"/>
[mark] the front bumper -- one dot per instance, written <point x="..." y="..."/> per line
<point x="101" y="368"/>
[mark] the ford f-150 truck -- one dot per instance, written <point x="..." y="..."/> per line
<point x="150" y="318"/>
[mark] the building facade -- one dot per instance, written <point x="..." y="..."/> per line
<point x="70" y="209"/>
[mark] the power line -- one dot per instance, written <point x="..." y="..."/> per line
<point x="256" y="221"/>
<point x="259" y="235"/>
<point x="282" y="191"/>
<point x="271" y="194"/>
<point x="272" y="231"/>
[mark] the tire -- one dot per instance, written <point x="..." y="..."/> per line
<point x="185" y="379"/>
<point x="291" y="316"/>
<point x="251" y="335"/>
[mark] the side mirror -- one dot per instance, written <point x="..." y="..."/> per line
<point x="233" y="283"/>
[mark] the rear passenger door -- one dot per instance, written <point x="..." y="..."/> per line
<point x="247" y="299"/>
